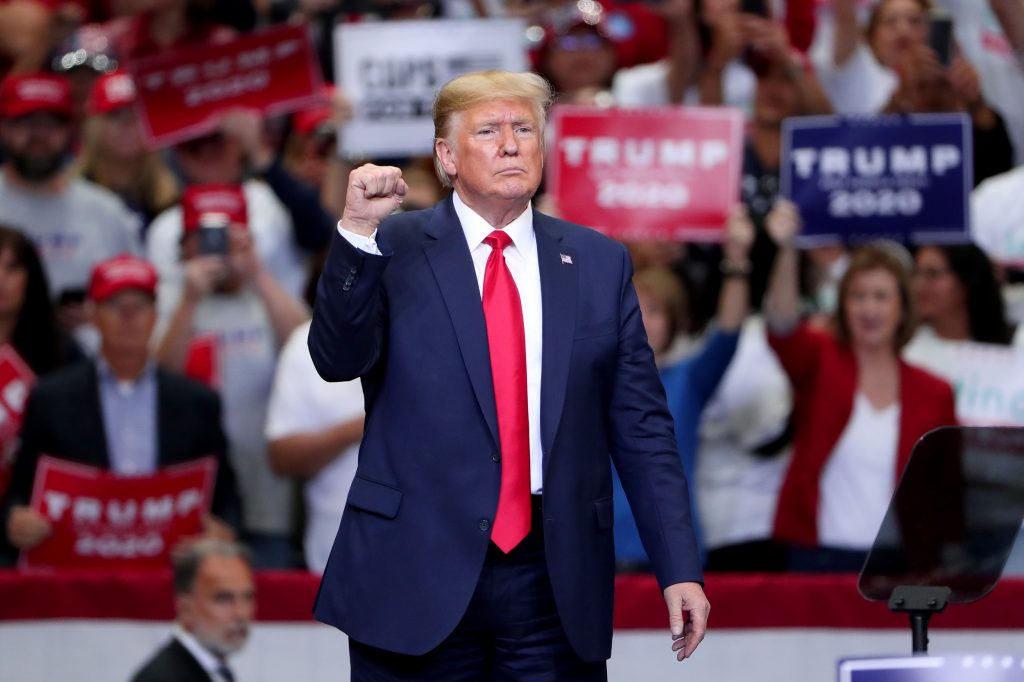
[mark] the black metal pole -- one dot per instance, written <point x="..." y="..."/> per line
<point x="919" y="632"/>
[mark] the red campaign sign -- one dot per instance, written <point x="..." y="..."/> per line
<point x="16" y="380"/>
<point x="102" y="520"/>
<point x="666" y="173"/>
<point x="182" y="91"/>
<point x="202" y="361"/>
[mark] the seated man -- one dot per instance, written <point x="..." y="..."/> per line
<point x="214" y="599"/>
<point x="120" y="412"/>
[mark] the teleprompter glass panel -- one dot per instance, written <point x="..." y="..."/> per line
<point x="954" y="516"/>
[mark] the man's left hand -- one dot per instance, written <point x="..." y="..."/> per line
<point x="688" y="631"/>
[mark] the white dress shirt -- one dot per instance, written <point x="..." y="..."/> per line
<point x="204" y="657"/>
<point x="521" y="258"/>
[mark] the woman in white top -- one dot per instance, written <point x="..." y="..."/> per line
<point x="858" y="407"/>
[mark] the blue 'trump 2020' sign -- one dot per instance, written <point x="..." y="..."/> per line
<point x="901" y="177"/>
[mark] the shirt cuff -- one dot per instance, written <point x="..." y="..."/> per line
<point x="361" y="242"/>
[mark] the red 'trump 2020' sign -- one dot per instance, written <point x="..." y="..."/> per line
<point x="665" y="173"/>
<point x="100" y="519"/>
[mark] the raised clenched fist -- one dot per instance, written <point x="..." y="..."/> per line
<point x="374" y="192"/>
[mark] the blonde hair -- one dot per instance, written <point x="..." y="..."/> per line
<point x="156" y="186"/>
<point x="466" y="91"/>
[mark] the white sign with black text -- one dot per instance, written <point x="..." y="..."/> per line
<point x="391" y="71"/>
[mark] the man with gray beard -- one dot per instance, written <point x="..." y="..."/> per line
<point x="74" y="223"/>
<point x="215" y="600"/>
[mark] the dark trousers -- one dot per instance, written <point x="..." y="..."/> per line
<point x="510" y="631"/>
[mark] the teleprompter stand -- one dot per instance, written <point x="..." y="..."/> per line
<point x="920" y="602"/>
<point x="950" y="526"/>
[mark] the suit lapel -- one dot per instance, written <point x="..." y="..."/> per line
<point x="449" y="258"/>
<point x="559" y="283"/>
<point x="183" y="663"/>
<point x="166" y="430"/>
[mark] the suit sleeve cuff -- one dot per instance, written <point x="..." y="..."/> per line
<point x="361" y="242"/>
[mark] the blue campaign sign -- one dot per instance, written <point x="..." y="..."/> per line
<point x="977" y="668"/>
<point x="900" y="177"/>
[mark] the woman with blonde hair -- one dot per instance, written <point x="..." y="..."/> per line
<point x="114" y="154"/>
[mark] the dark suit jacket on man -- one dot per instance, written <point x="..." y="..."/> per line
<point x="414" y="535"/>
<point x="63" y="418"/>
<point x="172" y="663"/>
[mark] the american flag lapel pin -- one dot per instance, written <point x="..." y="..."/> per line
<point x="566" y="259"/>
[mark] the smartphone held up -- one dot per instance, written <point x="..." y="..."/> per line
<point x="209" y="211"/>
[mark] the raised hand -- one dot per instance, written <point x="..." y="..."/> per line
<point x="783" y="223"/>
<point x="769" y="38"/>
<point x="245" y="126"/>
<point x="374" y="192"/>
<point x="965" y="82"/>
<point x="728" y="40"/>
<point x="202" y="275"/>
<point x="739" y="235"/>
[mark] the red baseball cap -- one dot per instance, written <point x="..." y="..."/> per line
<point x="112" y="91"/>
<point x="119" y="273"/>
<point x="308" y="120"/>
<point x="28" y="94"/>
<point x="202" y="200"/>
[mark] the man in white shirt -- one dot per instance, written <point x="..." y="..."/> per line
<point x="504" y="365"/>
<point x="215" y="600"/>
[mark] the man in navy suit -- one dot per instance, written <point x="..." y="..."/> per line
<point x="504" y="365"/>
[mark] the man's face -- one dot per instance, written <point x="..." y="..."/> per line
<point x="494" y="154"/>
<point x="220" y="608"/>
<point x="125" y="322"/>
<point x="210" y="160"/>
<point x="36" y="144"/>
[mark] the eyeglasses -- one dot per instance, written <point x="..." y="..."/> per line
<point x="930" y="273"/>
<point x="575" y="42"/>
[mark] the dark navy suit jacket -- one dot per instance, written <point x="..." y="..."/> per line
<point x="414" y="535"/>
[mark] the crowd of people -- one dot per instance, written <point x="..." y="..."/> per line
<point x="789" y="373"/>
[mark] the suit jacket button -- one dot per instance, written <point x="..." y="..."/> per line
<point x="495" y="456"/>
<point x="485" y="525"/>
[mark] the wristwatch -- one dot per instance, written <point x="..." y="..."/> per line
<point x="731" y="269"/>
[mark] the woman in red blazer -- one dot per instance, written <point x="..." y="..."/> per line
<point x="858" y="407"/>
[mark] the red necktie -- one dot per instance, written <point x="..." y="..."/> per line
<point x="506" y="340"/>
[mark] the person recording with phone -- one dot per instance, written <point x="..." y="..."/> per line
<point x="908" y="62"/>
<point x="716" y="47"/>
<point x="225" y="324"/>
